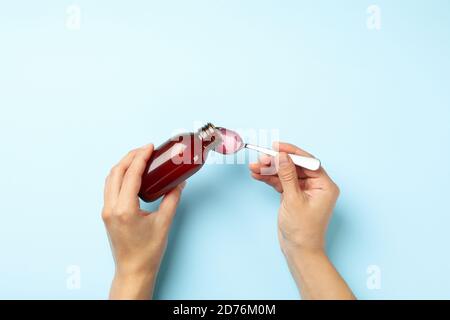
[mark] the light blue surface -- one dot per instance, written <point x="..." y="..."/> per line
<point x="373" y="105"/>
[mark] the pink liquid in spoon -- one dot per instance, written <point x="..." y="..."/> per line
<point x="231" y="142"/>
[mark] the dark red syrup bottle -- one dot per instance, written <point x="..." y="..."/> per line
<point x="176" y="160"/>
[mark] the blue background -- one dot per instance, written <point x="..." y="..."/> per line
<point x="372" y="105"/>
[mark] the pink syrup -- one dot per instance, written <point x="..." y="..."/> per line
<point x="231" y="142"/>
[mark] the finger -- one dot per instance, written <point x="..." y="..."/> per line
<point x="290" y="148"/>
<point x="263" y="162"/>
<point x="133" y="176"/>
<point x="266" y="160"/>
<point x="272" y="181"/>
<point x="114" y="180"/>
<point x="287" y="174"/>
<point x="169" y="204"/>
<point x="269" y="162"/>
<point x="302" y="172"/>
<point x="267" y="166"/>
<point x="257" y="166"/>
<point x="309" y="184"/>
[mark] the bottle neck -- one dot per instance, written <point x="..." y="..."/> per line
<point x="209" y="135"/>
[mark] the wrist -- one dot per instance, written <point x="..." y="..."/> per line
<point x="295" y="244"/>
<point x="302" y="252"/>
<point x="133" y="275"/>
<point x="132" y="285"/>
<point x="136" y="268"/>
<point x="299" y="258"/>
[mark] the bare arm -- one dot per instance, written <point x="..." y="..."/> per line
<point x="138" y="238"/>
<point x="307" y="202"/>
<point x="316" y="276"/>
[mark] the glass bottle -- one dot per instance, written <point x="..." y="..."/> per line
<point x="176" y="160"/>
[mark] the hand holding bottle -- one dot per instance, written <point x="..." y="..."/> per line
<point x="307" y="201"/>
<point x="138" y="238"/>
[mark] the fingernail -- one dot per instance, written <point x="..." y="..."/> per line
<point x="147" y="146"/>
<point x="182" y="185"/>
<point x="265" y="159"/>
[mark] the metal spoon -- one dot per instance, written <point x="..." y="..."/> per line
<point x="232" y="143"/>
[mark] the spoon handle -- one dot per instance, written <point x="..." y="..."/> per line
<point x="301" y="161"/>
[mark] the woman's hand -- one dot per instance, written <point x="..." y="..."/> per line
<point x="307" y="202"/>
<point x="307" y="199"/>
<point x="138" y="238"/>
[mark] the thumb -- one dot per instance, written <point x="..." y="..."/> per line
<point x="169" y="203"/>
<point x="287" y="173"/>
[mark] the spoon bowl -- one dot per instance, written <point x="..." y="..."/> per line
<point x="232" y="143"/>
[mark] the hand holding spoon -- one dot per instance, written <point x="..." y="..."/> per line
<point x="232" y="143"/>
